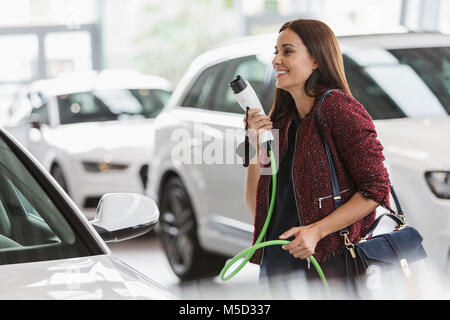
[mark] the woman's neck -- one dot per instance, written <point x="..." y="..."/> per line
<point x="303" y="102"/>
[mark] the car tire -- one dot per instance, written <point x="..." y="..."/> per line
<point x="177" y="232"/>
<point x="58" y="175"/>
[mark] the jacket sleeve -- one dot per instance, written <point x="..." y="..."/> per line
<point x="357" y="145"/>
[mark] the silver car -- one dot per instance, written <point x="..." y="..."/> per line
<point x="48" y="249"/>
<point x="403" y="80"/>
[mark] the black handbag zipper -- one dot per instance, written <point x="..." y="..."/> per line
<point x="329" y="196"/>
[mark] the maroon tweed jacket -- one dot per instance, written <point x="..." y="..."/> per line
<point x="358" y="159"/>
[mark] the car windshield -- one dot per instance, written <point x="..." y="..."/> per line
<point x="399" y="83"/>
<point x="110" y="105"/>
<point x="32" y="226"/>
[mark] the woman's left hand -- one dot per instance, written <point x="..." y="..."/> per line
<point x="304" y="244"/>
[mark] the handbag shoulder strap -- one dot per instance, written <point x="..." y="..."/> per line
<point x="334" y="179"/>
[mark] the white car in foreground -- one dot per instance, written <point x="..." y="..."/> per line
<point x="403" y="80"/>
<point x="49" y="250"/>
<point x="91" y="131"/>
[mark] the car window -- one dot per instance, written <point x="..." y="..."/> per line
<point x="25" y="205"/>
<point x="366" y="90"/>
<point x="152" y="101"/>
<point x="432" y="65"/>
<point x="397" y="83"/>
<point x="393" y="86"/>
<point x="107" y="105"/>
<point x="200" y="91"/>
<point x="83" y="107"/>
<point x="32" y="226"/>
<point x="251" y="69"/>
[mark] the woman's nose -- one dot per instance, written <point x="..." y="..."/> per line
<point x="276" y="61"/>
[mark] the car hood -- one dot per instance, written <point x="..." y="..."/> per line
<point x="93" y="277"/>
<point x="425" y="140"/>
<point x="134" y="136"/>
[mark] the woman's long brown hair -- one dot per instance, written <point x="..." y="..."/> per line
<point x="323" y="47"/>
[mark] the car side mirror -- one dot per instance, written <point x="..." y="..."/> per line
<point x="122" y="216"/>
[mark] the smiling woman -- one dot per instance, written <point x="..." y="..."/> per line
<point x="306" y="53"/>
<point x="308" y="63"/>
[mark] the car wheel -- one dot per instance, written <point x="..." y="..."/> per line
<point x="178" y="235"/>
<point x="58" y="175"/>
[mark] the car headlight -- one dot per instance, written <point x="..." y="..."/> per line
<point x="439" y="182"/>
<point x="101" y="166"/>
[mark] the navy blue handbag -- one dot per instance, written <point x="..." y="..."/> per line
<point x="388" y="250"/>
<point x="401" y="246"/>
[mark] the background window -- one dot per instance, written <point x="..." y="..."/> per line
<point x="19" y="60"/>
<point x="67" y="52"/>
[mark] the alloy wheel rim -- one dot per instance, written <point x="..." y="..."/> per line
<point x="176" y="225"/>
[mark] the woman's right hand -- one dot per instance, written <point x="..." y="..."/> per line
<point x="257" y="124"/>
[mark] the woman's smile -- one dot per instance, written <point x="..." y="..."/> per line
<point x="281" y="73"/>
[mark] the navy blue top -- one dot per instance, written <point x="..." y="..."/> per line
<point x="284" y="216"/>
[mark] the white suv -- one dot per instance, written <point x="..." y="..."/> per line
<point x="91" y="131"/>
<point x="403" y="80"/>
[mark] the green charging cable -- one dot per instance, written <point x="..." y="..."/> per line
<point x="248" y="253"/>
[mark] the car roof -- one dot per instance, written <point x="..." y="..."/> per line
<point x="263" y="47"/>
<point x="398" y="40"/>
<point x="68" y="83"/>
<point x="260" y="43"/>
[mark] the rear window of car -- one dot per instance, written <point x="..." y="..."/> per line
<point x="111" y="105"/>
<point x="400" y="83"/>
<point x="432" y="65"/>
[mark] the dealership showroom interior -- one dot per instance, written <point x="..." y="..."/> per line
<point x="225" y="150"/>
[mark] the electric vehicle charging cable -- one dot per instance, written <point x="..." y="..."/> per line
<point x="248" y="253"/>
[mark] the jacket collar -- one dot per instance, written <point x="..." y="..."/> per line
<point x="286" y="120"/>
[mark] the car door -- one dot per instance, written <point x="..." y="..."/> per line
<point x="179" y="141"/>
